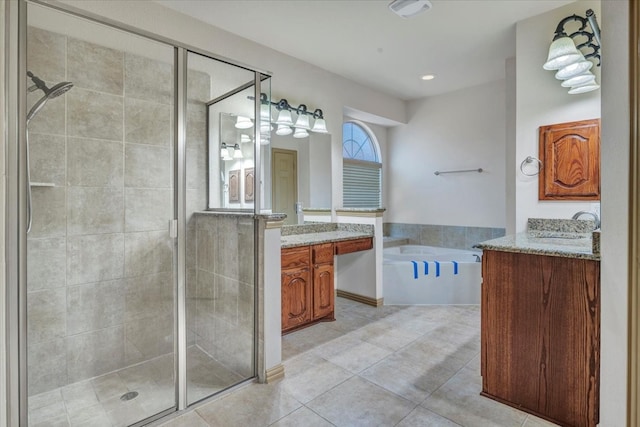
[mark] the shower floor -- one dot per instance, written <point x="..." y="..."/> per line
<point x="97" y="402"/>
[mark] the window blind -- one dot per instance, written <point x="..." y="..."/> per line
<point x="361" y="182"/>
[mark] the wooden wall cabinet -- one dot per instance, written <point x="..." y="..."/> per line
<point x="540" y="338"/>
<point x="570" y="153"/>
<point x="307" y="285"/>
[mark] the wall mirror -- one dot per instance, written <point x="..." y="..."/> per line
<point x="298" y="171"/>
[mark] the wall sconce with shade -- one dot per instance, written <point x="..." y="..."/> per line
<point x="572" y="65"/>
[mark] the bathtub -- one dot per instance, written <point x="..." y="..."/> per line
<point x="431" y="275"/>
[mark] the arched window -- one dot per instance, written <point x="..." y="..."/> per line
<point x="361" y="168"/>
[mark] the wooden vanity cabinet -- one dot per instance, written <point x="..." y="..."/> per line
<point x="540" y="335"/>
<point x="307" y="285"/>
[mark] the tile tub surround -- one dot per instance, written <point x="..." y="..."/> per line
<point x="312" y="234"/>
<point x="100" y="281"/>
<point x="445" y="236"/>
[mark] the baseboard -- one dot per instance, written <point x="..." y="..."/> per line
<point x="360" y="298"/>
<point x="274" y="374"/>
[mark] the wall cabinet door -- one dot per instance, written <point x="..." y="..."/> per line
<point x="296" y="298"/>
<point x="322" y="290"/>
<point x="570" y="153"/>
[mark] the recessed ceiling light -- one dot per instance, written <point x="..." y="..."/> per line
<point x="428" y="77"/>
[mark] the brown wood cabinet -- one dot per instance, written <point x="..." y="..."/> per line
<point x="307" y="285"/>
<point x="570" y="153"/>
<point x="540" y="340"/>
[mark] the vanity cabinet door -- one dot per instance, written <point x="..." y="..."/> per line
<point x="296" y="298"/>
<point x="322" y="290"/>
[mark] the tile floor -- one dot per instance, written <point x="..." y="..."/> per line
<point x="389" y="366"/>
<point x="97" y="403"/>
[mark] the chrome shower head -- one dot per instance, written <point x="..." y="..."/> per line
<point x="49" y="93"/>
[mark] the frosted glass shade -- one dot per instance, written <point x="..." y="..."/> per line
<point x="579" y="80"/>
<point x="574" y="69"/>
<point x="243" y="122"/>
<point x="302" y="122"/>
<point x="562" y="52"/>
<point x="266" y="127"/>
<point x="284" y="118"/>
<point x="264" y="141"/>
<point x="320" y="126"/>
<point x="237" y="152"/>
<point x="300" y="133"/>
<point x="265" y="112"/>
<point x="584" y="88"/>
<point x="283" y="130"/>
<point x="245" y="138"/>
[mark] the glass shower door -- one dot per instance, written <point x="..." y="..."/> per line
<point x="100" y="262"/>
<point x="220" y="281"/>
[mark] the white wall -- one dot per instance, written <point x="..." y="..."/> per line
<point x="510" y="146"/>
<point x="615" y="207"/>
<point x="541" y="101"/>
<point x="459" y="130"/>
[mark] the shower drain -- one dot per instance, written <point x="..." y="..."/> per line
<point x="128" y="396"/>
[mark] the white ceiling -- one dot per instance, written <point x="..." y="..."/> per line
<point x="463" y="42"/>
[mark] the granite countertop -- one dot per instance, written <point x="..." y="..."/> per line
<point x="554" y="237"/>
<point x="313" y="234"/>
<point x="578" y="245"/>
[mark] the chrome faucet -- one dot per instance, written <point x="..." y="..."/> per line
<point x="595" y="217"/>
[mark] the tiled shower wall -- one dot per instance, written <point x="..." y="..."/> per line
<point x="100" y="275"/>
<point x="224" y="299"/>
<point x="446" y="236"/>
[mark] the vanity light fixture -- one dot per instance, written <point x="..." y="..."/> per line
<point x="284" y="121"/>
<point x="224" y="152"/>
<point x="245" y="138"/>
<point x="572" y="65"/>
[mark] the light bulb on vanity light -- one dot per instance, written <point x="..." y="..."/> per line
<point x="283" y="130"/>
<point x="300" y="133"/>
<point x="243" y="122"/>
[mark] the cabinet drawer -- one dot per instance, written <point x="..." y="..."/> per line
<point x="356" y="245"/>
<point x="294" y="257"/>
<point x="322" y="253"/>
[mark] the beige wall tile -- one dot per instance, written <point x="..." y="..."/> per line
<point x="148" y="209"/>
<point x="47" y="311"/>
<point x="95" y="258"/>
<point x="47" y="263"/>
<point x="94" y="115"/>
<point x="147" y="122"/>
<point x="46" y="54"/>
<point x="94" y="162"/>
<point x="147" y="166"/>
<point x="94" y="210"/>
<point x="47" y="366"/>
<point x="148" y="253"/>
<point x="95" y="67"/>
<point x="95" y="306"/>
<point x="47" y="158"/>
<point x="49" y="212"/>
<point x="148" y="79"/>
<point x="146" y="296"/>
<point x="95" y="353"/>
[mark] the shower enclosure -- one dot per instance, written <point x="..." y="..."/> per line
<point x="135" y="298"/>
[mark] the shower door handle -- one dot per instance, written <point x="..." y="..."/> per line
<point x="173" y="228"/>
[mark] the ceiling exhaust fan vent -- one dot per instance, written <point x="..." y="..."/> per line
<point x="409" y="8"/>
